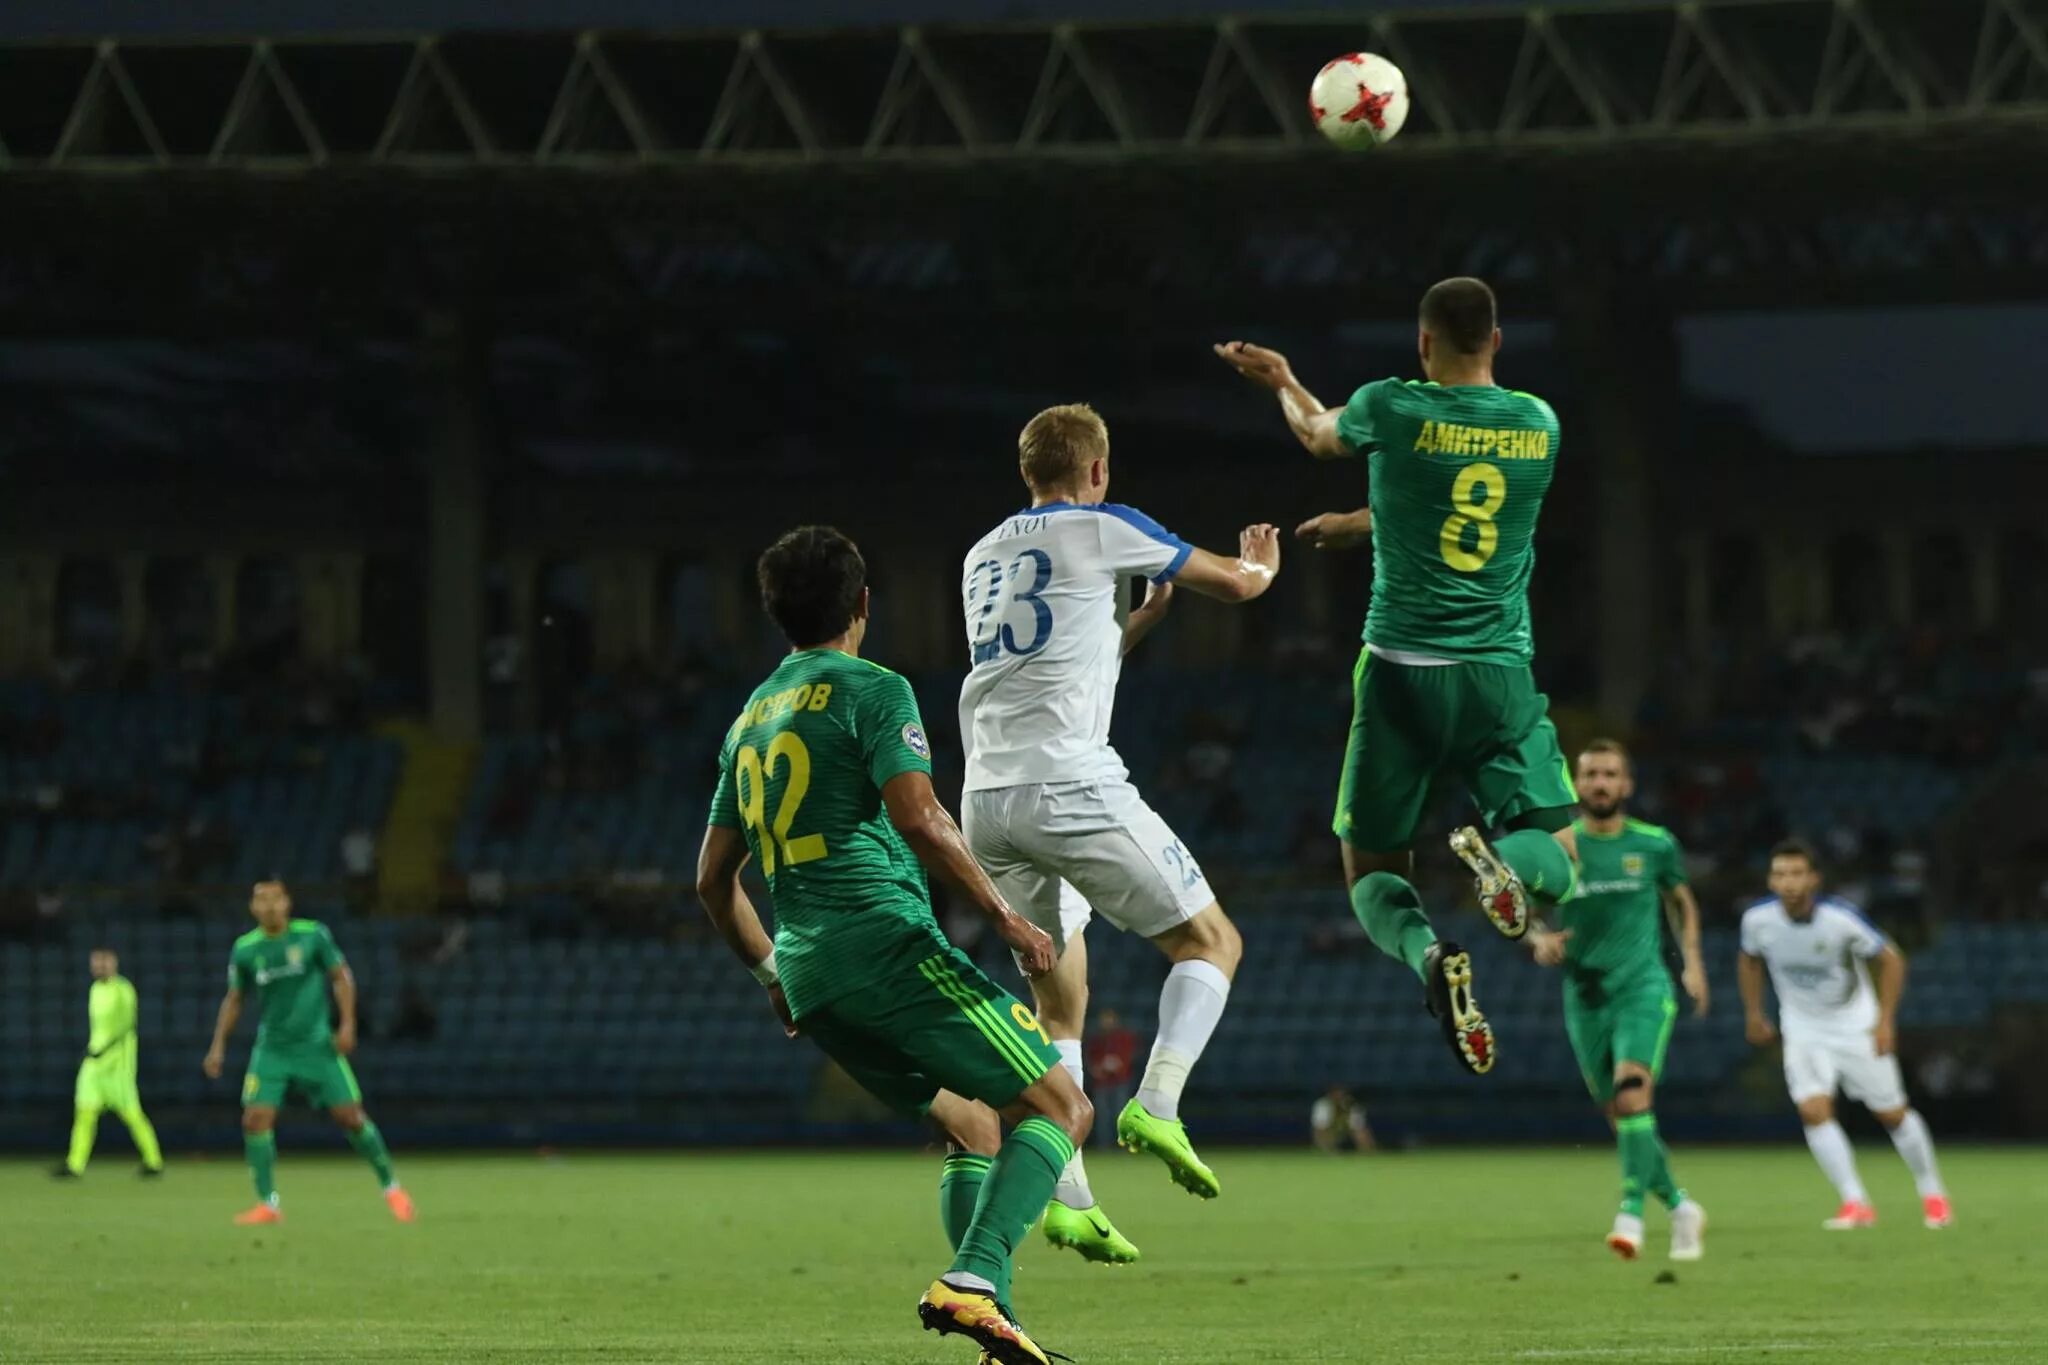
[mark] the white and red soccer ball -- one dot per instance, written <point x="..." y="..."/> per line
<point x="1359" y="100"/>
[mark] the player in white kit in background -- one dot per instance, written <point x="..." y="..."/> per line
<point x="1048" y="808"/>
<point x="1839" y="1029"/>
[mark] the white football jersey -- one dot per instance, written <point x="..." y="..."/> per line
<point x="1045" y="645"/>
<point x="1818" y="966"/>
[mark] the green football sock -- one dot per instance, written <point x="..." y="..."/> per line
<point x="1540" y="861"/>
<point x="1391" y="911"/>
<point x="369" y="1145"/>
<point x="1636" y="1137"/>
<point x="1662" y="1184"/>
<point x="959" y="1191"/>
<point x="1019" y="1182"/>
<point x="960" y="1182"/>
<point x="145" y="1137"/>
<point x="260" y="1150"/>
<point x="85" y="1125"/>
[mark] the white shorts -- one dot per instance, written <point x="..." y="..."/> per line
<point x="1059" y="850"/>
<point x="1815" y="1067"/>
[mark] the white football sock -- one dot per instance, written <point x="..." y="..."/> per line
<point x="1073" y="1188"/>
<point x="1190" y="1005"/>
<point x="1916" y="1145"/>
<point x="1837" y="1162"/>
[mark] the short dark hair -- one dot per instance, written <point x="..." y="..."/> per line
<point x="811" y="582"/>
<point x="1610" y="746"/>
<point x="103" y="948"/>
<point x="1796" y="848"/>
<point x="1461" y="313"/>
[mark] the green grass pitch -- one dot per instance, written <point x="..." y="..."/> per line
<point x="1452" y="1256"/>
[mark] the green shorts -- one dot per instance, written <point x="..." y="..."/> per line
<point x="1633" y="1025"/>
<point x="106" y="1084"/>
<point x="315" y="1072"/>
<point x="940" y="1023"/>
<point x="1484" y="724"/>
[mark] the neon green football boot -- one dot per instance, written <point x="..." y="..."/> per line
<point x="1089" y="1232"/>
<point x="1139" y="1131"/>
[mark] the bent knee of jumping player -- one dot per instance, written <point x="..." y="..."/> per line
<point x="349" y="1116"/>
<point x="1634" y="1090"/>
<point x="1208" y="937"/>
<point x="258" y="1119"/>
<point x="1890" y="1118"/>
<point x="1055" y="1096"/>
<point x="1816" y="1110"/>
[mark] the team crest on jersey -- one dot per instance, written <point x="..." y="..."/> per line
<point x="295" y="955"/>
<point x="914" y="740"/>
<point x="1632" y="864"/>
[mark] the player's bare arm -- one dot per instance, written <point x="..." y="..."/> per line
<point x="1235" y="580"/>
<point x="1145" y="617"/>
<point x="719" y="861"/>
<point x="1314" y="425"/>
<point x="223" y="1024"/>
<point x="1890" y="979"/>
<point x="343" y="983"/>
<point x="1682" y="908"/>
<point x="1749" y="979"/>
<point x="1336" y="530"/>
<point x="924" y="824"/>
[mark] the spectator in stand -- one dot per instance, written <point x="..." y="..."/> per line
<point x="1338" y="1120"/>
<point x="1111" y="1051"/>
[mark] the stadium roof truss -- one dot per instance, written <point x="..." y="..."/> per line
<point x="1709" y="153"/>
<point x="1552" y="76"/>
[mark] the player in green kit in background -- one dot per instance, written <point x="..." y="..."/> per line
<point x="1457" y="471"/>
<point x="106" y="1078"/>
<point x="825" y="780"/>
<point x="290" y="964"/>
<point x="1618" y="1005"/>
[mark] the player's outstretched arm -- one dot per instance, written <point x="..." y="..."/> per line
<point x="1142" y="620"/>
<point x="223" y="1024"/>
<point x="1235" y="580"/>
<point x="1749" y="979"/>
<point x="732" y="914"/>
<point x="924" y="824"/>
<point x="1314" y="425"/>
<point x="343" y="983"/>
<point x="1336" y="530"/>
<point x="1891" y="987"/>
<point x="1682" y="908"/>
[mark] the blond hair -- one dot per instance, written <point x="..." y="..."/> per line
<point x="1060" y="443"/>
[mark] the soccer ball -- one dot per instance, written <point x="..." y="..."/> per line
<point x="1359" y="100"/>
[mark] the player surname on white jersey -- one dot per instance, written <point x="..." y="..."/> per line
<point x="1818" y="965"/>
<point x="1044" y="641"/>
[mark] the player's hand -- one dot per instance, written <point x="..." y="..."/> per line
<point x="1758" y="1030"/>
<point x="1260" y="544"/>
<point x="1694" y="979"/>
<point x="1334" y="530"/>
<point x="213" y="1064"/>
<point x="1547" y="947"/>
<point x="781" y="1004"/>
<point x="1884" y="1037"/>
<point x="1268" y="369"/>
<point x="1031" y="944"/>
<point x="345" y="1039"/>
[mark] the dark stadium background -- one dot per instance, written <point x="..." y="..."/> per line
<point x="388" y="424"/>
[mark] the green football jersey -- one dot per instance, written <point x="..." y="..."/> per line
<point x="1617" y="917"/>
<point x="802" y="772"/>
<point x="288" y="972"/>
<point x="1457" y="477"/>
